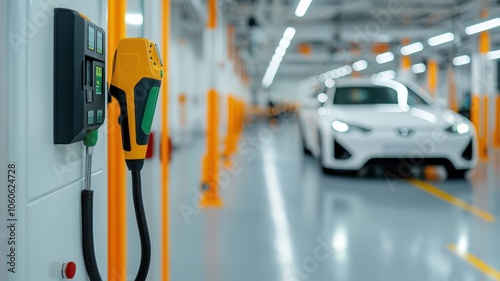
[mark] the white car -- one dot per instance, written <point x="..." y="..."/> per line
<point x="371" y="122"/>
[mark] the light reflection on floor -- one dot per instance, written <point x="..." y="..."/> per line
<point x="280" y="210"/>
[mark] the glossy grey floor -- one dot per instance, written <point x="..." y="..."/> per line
<point x="284" y="220"/>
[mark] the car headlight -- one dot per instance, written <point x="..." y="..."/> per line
<point x="341" y="127"/>
<point x="459" y="128"/>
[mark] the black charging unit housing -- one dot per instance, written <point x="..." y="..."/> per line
<point x="79" y="76"/>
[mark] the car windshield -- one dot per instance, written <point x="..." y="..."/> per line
<point x="374" y="95"/>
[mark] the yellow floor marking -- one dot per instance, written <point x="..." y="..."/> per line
<point x="476" y="262"/>
<point x="429" y="188"/>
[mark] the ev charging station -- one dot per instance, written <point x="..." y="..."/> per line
<point x="53" y="153"/>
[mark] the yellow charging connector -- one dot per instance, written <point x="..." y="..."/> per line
<point x="135" y="83"/>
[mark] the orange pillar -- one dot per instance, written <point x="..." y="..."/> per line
<point x="164" y="144"/>
<point x="452" y="90"/>
<point x="483" y="100"/>
<point x="496" y="137"/>
<point x="405" y="72"/>
<point x="432" y="72"/>
<point x="210" y="198"/>
<point x="117" y="195"/>
<point x="231" y="122"/>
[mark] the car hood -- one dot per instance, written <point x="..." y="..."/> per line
<point x="393" y="116"/>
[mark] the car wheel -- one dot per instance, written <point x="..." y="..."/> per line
<point x="456" y="174"/>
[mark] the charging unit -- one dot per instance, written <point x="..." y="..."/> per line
<point x="79" y="76"/>
<point x="40" y="227"/>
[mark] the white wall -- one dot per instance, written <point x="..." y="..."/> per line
<point x="49" y="177"/>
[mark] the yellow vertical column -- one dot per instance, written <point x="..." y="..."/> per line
<point x="482" y="100"/>
<point x="164" y="144"/>
<point x="117" y="196"/>
<point x="405" y="62"/>
<point x="229" y="142"/>
<point x="230" y="127"/>
<point x="432" y="76"/>
<point x="452" y="90"/>
<point x="210" y="197"/>
<point x="496" y="138"/>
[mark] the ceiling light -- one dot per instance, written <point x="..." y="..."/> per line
<point x="280" y="52"/>
<point x="302" y="8"/>
<point x="418" y="68"/>
<point x="412" y="48"/>
<point x="441" y="39"/>
<point x="134" y="19"/>
<point x="322" y="97"/>
<point x="389" y="74"/>
<point x="329" y="83"/>
<point x="289" y="33"/>
<point x="385" y="57"/>
<point x="284" y="43"/>
<point x="482" y="26"/>
<point x="360" y="65"/>
<point x="461" y="60"/>
<point x="347" y="69"/>
<point x="493" y="55"/>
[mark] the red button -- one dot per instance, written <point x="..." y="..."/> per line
<point x="69" y="270"/>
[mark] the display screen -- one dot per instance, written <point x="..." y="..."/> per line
<point x="91" y="38"/>
<point x="99" y="42"/>
<point x="98" y="80"/>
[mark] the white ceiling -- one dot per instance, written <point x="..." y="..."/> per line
<point x="331" y="26"/>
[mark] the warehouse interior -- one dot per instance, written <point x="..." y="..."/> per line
<point x="245" y="145"/>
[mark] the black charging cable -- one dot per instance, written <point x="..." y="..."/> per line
<point x="87" y="199"/>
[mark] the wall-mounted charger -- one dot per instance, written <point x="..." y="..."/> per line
<point x="79" y="76"/>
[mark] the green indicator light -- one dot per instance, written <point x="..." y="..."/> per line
<point x="147" y="121"/>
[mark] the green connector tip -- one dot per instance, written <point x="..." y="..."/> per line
<point x="90" y="138"/>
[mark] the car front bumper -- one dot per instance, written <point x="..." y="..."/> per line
<point x="389" y="148"/>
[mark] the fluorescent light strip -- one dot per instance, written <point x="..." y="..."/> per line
<point x="134" y="19"/>
<point x="441" y="39"/>
<point x="360" y="65"/>
<point x="280" y="52"/>
<point x="493" y="55"/>
<point x="289" y="33"/>
<point x="482" y="26"/>
<point x="385" y="58"/>
<point x="302" y="8"/>
<point x="389" y="75"/>
<point x="461" y="60"/>
<point x="412" y="48"/>
<point x="284" y="43"/>
<point x="418" y="68"/>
